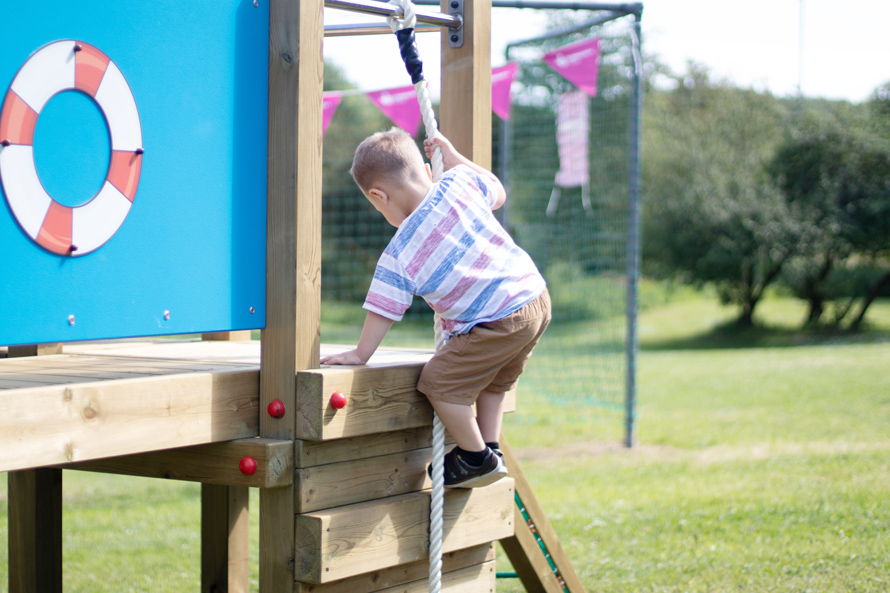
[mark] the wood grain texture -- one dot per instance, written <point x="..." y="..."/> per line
<point x="229" y="336"/>
<point x="225" y="539"/>
<point x="342" y="542"/>
<point x="35" y="531"/>
<point x="35" y="514"/>
<point x="465" y="103"/>
<point x="34" y="350"/>
<point x="523" y="550"/>
<point x="291" y="338"/>
<point x="217" y="463"/>
<point x="379" y="399"/>
<point x="52" y="425"/>
<point x="473" y="579"/>
<point x="349" y="482"/>
<point x="314" y="453"/>
<point x="403" y="575"/>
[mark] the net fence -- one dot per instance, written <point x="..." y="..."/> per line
<point x="563" y="156"/>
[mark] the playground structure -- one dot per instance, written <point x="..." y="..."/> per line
<point x="344" y="499"/>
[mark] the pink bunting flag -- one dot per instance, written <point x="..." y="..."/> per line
<point x="578" y="63"/>
<point x="501" y="80"/>
<point x="572" y="129"/>
<point x="330" y="102"/>
<point x="399" y="105"/>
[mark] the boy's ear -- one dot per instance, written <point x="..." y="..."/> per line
<point x="378" y="194"/>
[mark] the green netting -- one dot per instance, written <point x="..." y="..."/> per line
<point x="579" y="370"/>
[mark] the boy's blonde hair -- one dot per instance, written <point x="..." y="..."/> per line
<point x="389" y="156"/>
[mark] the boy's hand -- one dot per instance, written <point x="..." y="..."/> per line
<point x="347" y="358"/>
<point x="450" y="157"/>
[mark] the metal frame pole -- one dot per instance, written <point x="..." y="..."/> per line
<point x="624" y="8"/>
<point x="426" y="17"/>
<point x="633" y="234"/>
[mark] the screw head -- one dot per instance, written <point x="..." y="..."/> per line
<point x="276" y="409"/>
<point x="247" y="466"/>
<point x="455" y="4"/>
<point x="338" y="400"/>
<point x="71" y="320"/>
<point x="167" y="315"/>
<point x="252" y="310"/>
<point x="454" y="38"/>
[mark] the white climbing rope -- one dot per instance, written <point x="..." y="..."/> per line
<point x="437" y="498"/>
<point x="407" y="21"/>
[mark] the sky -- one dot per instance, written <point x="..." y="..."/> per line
<point x="843" y="52"/>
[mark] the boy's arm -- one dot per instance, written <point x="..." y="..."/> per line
<point x="373" y="333"/>
<point x="452" y="158"/>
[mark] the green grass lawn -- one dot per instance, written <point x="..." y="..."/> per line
<point x="762" y="464"/>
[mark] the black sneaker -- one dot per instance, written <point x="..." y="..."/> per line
<point x="460" y="474"/>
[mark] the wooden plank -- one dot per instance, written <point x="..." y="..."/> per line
<point x="342" y="542"/>
<point x="35" y="350"/>
<point x="465" y="103"/>
<point x="402" y="575"/>
<point x="217" y="463"/>
<point x="35" y="531"/>
<point x="528" y="562"/>
<point x="349" y="482"/>
<point x="379" y="399"/>
<point x="523" y="550"/>
<point x="35" y="517"/>
<point x="291" y="338"/>
<point x="315" y="453"/>
<point x="53" y="425"/>
<point x="481" y="578"/>
<point x="225" y="539"/>
<point x="228" y="336"/>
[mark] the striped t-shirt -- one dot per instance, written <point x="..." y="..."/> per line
<point x="454" y="253"/>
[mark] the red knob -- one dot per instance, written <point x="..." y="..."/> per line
<point x="247" y="466"/>
<point x="338" y="400"/>
<point x="276" y="409"/>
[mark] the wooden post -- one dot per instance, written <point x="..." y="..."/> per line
<point x="532" y="567"/>
<point x="35" y="517"/>
<point x="225" y="525"/>
<point x="35" y="350"/>
<point x="465" y="107"/>
<point x="225" y="539"/>
<point x="291" y="339"/>
<point x="231" y="336"/>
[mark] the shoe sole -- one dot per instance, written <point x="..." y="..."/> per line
<point x="483" y="480"/>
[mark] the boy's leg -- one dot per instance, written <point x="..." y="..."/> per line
<point x="489" y="414"/>
<point x="459" y="421"/>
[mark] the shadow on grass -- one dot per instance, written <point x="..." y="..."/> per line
<point x="730" y="335"/>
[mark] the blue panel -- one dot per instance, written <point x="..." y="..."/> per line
<point x="72" y="148"/>
<point x="193" y="242"/>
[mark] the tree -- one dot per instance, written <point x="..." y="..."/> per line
<point x="809" y="169"/>
<point x="835" y="177"/>
<point x="712" y="214"/>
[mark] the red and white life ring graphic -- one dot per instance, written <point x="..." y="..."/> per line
<point x="57" y="67"/>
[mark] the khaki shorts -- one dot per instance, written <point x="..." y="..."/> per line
<point x="489" y="357"/>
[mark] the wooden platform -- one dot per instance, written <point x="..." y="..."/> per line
<point x="189" y="410"/>
<point x="107" y="399"/>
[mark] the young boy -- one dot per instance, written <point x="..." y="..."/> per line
<point x="450" y="249"/>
